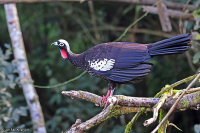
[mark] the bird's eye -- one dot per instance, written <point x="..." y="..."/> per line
<point x="61" y="44"/>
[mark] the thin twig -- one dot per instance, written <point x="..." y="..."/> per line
<point x="134" y="119"/>
<point x="189" y="59"/>
<point x="93" y="19"/>
<point x="119" y="28"/>
<point x="174" y="105"/>
<point x="135" y="26"/>
<point x="137" y="115"/>
<point x="85" y="29"/>
<point x="175" y="84"/>
<point x="193" y="90"/>
<point x="124" y="33"/>
<point x="60" y="84"/>
<point x="156" y="109"/>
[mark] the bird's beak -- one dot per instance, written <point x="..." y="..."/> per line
<point x="55" y="43"/>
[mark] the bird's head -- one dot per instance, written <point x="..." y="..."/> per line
<point x="63" y="45"/>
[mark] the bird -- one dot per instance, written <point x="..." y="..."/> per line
<point x="122" y="62"/>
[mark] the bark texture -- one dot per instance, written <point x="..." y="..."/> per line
<point x="172" y="13"/>
<point x="24" y="72"/>
<point x="120" y="104"/>
<point x="163" y="16"/>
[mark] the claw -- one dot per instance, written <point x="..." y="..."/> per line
<point x="110" y="92"/>
<point x="106" y="102"/>
<point x="104" y="98"/>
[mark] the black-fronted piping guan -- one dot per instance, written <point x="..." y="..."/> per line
<point x="122" y="62"/>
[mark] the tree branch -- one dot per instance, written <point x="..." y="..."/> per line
<point x="124" y="105"/>
<point x="163" y="16"/>
<point x="188" y="101"/>
<point x="167" y="88"/>
<point x="110" y="111"/>
<point x="171" y="13"/>
<point x="169" y="4"/>
<point x="93" y="20"/>
<point x="176" y="103"/>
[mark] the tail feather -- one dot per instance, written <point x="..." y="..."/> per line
<point x="174" y="50"/>
<point x="174" y="45"/>
<point x="172" y="39"/>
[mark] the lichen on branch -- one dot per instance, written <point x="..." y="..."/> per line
<point x="124" y="105"/>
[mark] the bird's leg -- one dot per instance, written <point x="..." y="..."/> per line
<point x="111" y="94"/>
<point x="105" y="97"/>
<point x="111" y="89"/>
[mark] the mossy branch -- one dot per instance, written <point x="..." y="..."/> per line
<point x="176" y="103"/>
<point x="165" y="89"/>
<point x="120" y="105"/>
<point x="162" y="114"/>
<point x="189" y="101"/>
<point x="110" y="111"/>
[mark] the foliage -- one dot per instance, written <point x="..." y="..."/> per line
<point x="44" y="23"/>
<point x="10" y="113"/>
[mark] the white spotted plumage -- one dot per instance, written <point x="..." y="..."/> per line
<point x="102" y="65"/>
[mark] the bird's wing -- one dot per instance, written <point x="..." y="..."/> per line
<point x="130" y="74"/>
<point x="102" y="57"/>
<point x="132" y="55"/>
<point x="120" y="62"/>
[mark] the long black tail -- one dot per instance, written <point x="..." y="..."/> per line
<point x="174" y="45"/>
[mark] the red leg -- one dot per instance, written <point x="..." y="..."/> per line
<point x="110" y="93"/>
<point x="111" y="86"/>
<point x="105" y="97"/>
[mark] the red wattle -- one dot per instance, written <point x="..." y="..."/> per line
<point x="64" y="54"/>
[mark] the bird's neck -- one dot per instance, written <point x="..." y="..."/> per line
<point x="74" y="58"/>
<point x="70" y="55"/>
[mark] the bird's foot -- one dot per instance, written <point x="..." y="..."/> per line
<point x="103" y="100"/>
<point x="112" y="100"/>
<point x="106" y="102"/>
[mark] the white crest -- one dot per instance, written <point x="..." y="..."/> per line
<point x="102" y="65"/>
<point x="66" y="43"/>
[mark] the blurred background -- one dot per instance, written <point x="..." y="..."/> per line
<point x="85" y="25"/>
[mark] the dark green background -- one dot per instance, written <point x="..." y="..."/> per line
<point x="44" y="23"/>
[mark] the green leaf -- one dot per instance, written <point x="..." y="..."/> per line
<point x="55" y="99"/>
<point x="8" y="94"/>
<point x="198" y="37"/>
<point x="15" y="118"/>
<point x="137" y="9"/>
<point x="23" y="111"/>
<point x="196" y="13"/>
<point x="5" y="118"/>
<point x="196" y="58"/>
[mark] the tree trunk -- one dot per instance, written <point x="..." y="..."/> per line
<point x="24" y="72"/>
